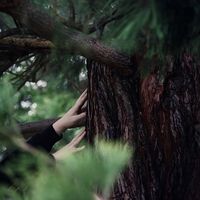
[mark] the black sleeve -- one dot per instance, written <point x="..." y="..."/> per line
<point x="44" y="140"/>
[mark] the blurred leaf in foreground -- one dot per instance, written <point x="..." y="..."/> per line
<point x="80" y="175"/>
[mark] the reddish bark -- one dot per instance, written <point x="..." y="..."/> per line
<point x="160" y="120"/>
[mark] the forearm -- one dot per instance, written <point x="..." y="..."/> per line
<point x="59" y="126"/>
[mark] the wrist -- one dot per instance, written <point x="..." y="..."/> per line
<point x="59" y="127"/>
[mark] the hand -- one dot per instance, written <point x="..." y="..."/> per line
<point x="96" y="197"/>
<point x="75" y="117"/>
<point x="70" y="148"/>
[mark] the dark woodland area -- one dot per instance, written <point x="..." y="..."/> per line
<point x="140" y="63"/>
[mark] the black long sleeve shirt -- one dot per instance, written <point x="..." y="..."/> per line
<point x="43" y="141"/>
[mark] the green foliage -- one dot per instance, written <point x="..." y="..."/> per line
<point x="155" y="28"/>
<point x="43" y="102"/>
<point x="35" y="176"/>
<point x="159" y="26"/>
<point x="8" y="126"/>
<point x="79" y="175"/>
<point x="6" y="21"/>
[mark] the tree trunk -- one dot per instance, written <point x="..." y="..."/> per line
<point x="161" y="122"/>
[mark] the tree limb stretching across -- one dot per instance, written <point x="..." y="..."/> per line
<point x="42" y="24"/>
<point x="26" y="43"/>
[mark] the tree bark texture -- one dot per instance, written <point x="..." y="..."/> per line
<point x="160" y="120"/>
<point x="25" y="43"/>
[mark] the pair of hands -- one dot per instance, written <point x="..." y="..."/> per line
<point x="75" y="117"/>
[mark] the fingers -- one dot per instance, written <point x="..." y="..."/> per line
<point x="78" y="138"/>
<point x="79" y="120"/>
<point x="85" y="91"/>
<point x="84" y="107"/>
<point x="81" y="100"/>
<point x="97" y="197"/>
<point x="71" y="147"/>
<point x="82" y="95"/>
<point x="80" y="148"/>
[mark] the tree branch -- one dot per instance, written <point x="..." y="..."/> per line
<point x="42" y="24"/>
<point x="26" y="43"/>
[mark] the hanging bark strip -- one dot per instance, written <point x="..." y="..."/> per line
<point x="159" y="120"/>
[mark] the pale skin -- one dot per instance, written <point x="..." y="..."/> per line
<point x="70" y="148"/>
<point x="75" y="117"/>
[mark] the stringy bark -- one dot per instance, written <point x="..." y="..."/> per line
<point x="160" y="120"/>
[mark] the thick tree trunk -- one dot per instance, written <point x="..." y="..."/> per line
<point x="161" y="121"/>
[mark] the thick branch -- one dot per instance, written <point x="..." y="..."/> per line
<point x="26" y="43"/>
<point x="42" y="24"/>
<point x="104" y="21"/>
<point x="13" y="48"/>
<point x="32" y="128"/>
